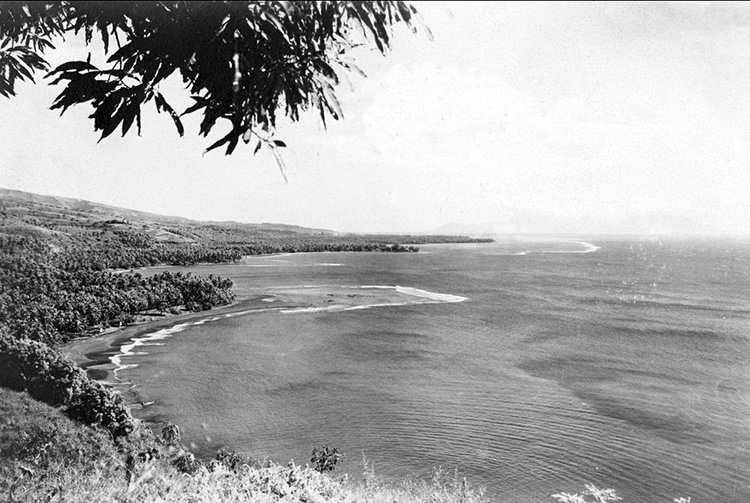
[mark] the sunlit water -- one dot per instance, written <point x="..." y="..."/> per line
<point x="627" y="366"/>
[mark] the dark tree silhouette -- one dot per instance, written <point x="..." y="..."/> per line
<point x="243" y="62"/>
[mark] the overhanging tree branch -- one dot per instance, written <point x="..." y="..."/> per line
<point x="242" y="62"/>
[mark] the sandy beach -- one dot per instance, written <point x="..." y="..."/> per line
<point x="94" y="354"/>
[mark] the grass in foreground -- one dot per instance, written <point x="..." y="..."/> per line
<point x="46" y="457"/>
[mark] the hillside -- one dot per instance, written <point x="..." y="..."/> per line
<point x="65" y="220"/>
<point x="58" y="256"/>
<point x="63" y="217"/>
<point x="56" y="283"/>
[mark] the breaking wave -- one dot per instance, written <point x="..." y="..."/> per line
<point x="588" y="248"/>
<point x="431" y="298"/>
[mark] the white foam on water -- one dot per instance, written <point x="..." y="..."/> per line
<point x="588" y="248"/>
<point x="416" y="292"/>
<point x="339" y="307"/>
<point x="128" y="349"/>
<point x="437" y="297"/>
<point x="313" y="309"/>
<point x="433" y="298"/>
<point x="285" y="263"/>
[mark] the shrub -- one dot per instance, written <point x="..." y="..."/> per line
<point x="52" y="378"/>
<point x="95" y="404"/>
<point x="38" y="369"/>
<point x="325" y="458"/>
<point x="186" y="463"/>
<point x="170" y="435"/>
<point x="232" y="460"/>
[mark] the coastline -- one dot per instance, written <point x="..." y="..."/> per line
<point x="93" y="354"/>
<point x="99" y="355"/>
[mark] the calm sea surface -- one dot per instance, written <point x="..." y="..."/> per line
<point x="626" y="367"/>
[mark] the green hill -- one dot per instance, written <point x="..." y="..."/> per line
<point x="73" y="221"/>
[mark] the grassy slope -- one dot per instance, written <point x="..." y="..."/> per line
<point x="46" y="457"/>
<point x="38" y="442"/>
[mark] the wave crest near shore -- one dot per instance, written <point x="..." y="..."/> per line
<point x="422" y="297"/>
<point x="588" y="248"/>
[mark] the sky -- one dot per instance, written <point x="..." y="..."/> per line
<point x="590" y="117"/>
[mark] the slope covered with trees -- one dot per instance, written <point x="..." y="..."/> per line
<point x="58" y="259"/>
<point x="58" y="280"/>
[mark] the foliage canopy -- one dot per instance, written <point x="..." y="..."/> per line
<point x="243" y="62"/>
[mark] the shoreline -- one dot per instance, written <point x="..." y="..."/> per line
<point x="99" y="355"/>
<point x="93" y="354"/>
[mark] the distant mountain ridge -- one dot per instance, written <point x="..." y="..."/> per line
<point x="65" y="220"/>
<point x="104" y="211"/>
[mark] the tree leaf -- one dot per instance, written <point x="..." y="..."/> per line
<point x="332" y="102"/>
<point x="219" y="143"/>
<point x="77" y="66"/>
<point x="247" y="136"/>
<point x="199" y="103"/>
<point x="232" y="144"/>
<point x="280" y="162"/>
<point x="285" y="49"/>
<point x="161" y="104"/>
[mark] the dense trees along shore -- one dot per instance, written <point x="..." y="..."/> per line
<point x="52" y="296"/>
<point x="58" y="257"/>
<point x="66" y="270"/>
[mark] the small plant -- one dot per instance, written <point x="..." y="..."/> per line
<point x="372" y="481"/>
<point x="599" y="496"/>
<point x="325" y="458"/>
<point x="232" y="460"/>
<point x="186" y="463"/>
<point x="170" y="435"/>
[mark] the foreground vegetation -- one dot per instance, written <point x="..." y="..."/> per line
<point x="46" y="457"/>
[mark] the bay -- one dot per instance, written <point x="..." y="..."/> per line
<point x="619" y="362"/>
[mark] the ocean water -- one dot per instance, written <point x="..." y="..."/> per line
<point x="622" y="363"/>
